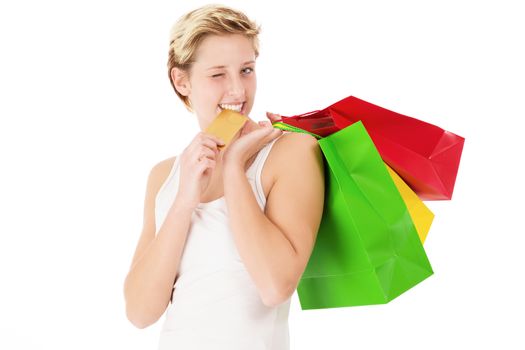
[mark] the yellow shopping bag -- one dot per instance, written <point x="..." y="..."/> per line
<point x="419" y="212"/>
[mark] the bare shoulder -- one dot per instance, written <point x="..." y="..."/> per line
<point x="157" y="175"/>
<point x="293" y="150"/>
<point x="292" y="145"/>
<point x="159" y="172"/>
<point x="294" y="142"/>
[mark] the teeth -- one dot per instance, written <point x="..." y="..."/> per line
<point x="236" y="108"/>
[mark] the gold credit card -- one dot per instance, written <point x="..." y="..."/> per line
<point x="226" y="125"/>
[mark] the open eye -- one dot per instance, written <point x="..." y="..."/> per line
<point x="250" y="70"/>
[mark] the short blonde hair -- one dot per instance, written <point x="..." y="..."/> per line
<point x="189" y="31"/>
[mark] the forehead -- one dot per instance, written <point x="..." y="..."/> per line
<point x="230" y="49"/>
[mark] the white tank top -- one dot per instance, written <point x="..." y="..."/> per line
<point x="215" y="304"/>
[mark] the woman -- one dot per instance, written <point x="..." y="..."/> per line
<point x="227" y="233"/>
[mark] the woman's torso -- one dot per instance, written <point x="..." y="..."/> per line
<point x="215" y="303"/>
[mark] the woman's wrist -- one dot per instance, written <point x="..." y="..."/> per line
<point x="232" y="167"/>
<point x="183" y="206"/>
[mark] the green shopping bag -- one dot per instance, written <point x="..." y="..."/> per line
<point x="367" y="249"/>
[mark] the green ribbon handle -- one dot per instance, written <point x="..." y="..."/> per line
<point x="286" y="127"/>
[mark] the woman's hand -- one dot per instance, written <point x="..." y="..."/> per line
<point x="273" y="117"/>
<point x="197" y="163"/>
<point x="252" y="137"/>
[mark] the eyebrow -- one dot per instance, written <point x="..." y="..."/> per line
<point x="216" y="67"/>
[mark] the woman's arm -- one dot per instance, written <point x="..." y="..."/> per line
<point x="276" y="245"/>
<point x="149" y="283"/>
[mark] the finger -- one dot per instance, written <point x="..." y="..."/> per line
<point x="211" y="142"/>
<point x="262" y="129"/>
<point x="273" y="117"/>
<point x="203" y="153"/>
<point x="267" y="128"/>
<point x="270" y="133"/>
<point x="270" y="116"/>
<point x="214" y="138"/>
<point x="275" y="133"/>
<point x="206" y="163"/>
<point x="200" y="140"/>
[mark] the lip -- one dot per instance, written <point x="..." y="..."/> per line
<point x="243" y="108"/>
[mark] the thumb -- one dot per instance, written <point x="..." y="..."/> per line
<point x="273" y="117"/>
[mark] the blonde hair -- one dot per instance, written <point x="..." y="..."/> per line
<point x="189" y="31"/>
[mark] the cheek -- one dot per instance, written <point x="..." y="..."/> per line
<point x="251" y="85"/>
<point x="209" y="93"/>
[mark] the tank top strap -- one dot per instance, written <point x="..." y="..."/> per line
<point x="255" y="171"/>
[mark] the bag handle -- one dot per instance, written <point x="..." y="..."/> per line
<point x="286" y="127"/>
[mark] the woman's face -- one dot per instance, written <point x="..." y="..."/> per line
<point x="223" y="74"/>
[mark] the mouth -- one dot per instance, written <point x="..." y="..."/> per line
<point x="237" y="107"/>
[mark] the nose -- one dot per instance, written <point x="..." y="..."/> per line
<point x="235" y="87"/>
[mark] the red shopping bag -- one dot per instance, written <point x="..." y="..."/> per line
<point x="424" y="155"/>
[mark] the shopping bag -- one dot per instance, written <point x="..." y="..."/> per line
<point x="367" y="249"/>
<point x="424" y="155"/>
<point x="421" y="215"/>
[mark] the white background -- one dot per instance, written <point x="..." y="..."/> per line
<point x="87" y="109"/>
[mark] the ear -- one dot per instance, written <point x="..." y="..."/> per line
<point x="181" y="81"/>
